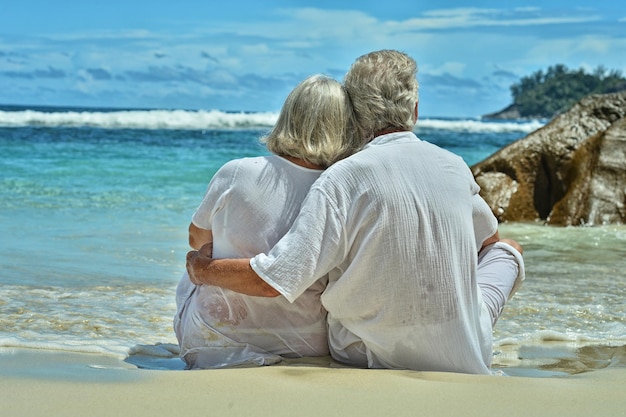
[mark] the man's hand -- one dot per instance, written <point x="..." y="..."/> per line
<point x="194" y="262"/>
<point x="198" y="259"/>
<point x="207" y="250"/>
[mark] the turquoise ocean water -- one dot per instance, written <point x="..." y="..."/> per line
<point x="94" y="209"/>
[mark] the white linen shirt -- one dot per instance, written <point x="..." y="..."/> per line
<point x="397" y="227"/>
<point x="249" y="205"/>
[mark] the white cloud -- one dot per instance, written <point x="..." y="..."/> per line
<point x="255" y="49"/>
<point x="125" y="35"/>
<point x="476" y="17"/>
<point x="598" y="45"/>
<point x="527" y="9"/>
<point x="453" y="68"/>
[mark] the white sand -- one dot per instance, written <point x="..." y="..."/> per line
<point x="35" y="383"/>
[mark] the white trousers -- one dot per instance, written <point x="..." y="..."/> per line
<point x="500" y="273"/>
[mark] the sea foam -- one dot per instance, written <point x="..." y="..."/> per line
<point x="480" y="126"/>
<point x="216" y="119"/>
<point x="138" y="119"/>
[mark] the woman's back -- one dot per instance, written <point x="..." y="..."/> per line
<point x="249" y="206"/>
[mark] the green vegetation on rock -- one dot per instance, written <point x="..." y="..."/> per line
<point x="547" y="94"/>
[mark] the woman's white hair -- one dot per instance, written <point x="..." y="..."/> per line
<point x="316" y="123"/>
<point x="384" y="91"/>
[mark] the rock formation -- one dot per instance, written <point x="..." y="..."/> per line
<point x="572" y="171"/>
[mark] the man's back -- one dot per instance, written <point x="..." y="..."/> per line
<point x="399" y="242"/>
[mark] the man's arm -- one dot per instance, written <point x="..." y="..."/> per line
<point x="199" y="237"/>
<point x="233" y="274"/>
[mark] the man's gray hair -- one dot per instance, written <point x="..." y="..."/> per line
<point x="384" y="90"/>
<point x="316" y="123"/>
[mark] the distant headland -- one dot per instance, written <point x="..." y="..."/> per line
<point x="544" y="95"/>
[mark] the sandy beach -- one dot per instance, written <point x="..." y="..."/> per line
<point x="45" y="383"/>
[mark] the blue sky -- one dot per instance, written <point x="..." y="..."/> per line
<point x="247" y="55"/>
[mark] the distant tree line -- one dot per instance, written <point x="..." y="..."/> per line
<point x="546" y="94"/>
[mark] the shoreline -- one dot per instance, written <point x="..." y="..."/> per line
<point x="48" y="383"/>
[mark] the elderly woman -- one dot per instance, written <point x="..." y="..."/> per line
<point x="249" y="205"/>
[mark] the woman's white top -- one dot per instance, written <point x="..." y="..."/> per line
<point x="249" y="205"/>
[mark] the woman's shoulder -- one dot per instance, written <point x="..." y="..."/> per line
<point x="245" y="164"/>
<point x="248" y="169"/>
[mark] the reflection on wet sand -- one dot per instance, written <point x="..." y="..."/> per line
<point x="557" y="359"/>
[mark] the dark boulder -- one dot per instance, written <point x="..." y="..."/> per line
<point x="572" y="171"/>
